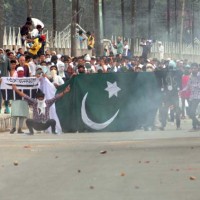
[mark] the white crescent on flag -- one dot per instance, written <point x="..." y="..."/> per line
<point x="92" y="124"/>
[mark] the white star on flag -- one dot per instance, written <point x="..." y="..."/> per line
<point x="112" y="89"/>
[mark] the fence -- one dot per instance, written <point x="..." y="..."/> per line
<point x="62" y="43"/>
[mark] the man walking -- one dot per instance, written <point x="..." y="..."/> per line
<point x="194" y="87"/>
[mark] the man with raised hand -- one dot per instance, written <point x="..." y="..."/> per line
<point x="41" y="120"/>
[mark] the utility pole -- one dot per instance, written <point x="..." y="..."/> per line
<point x="54" y="18"/>
<point x="149" y="19"/>
<point x="29" y="8"/>
<point x="123" y="18"/>
<point x="1" y="22"/>
<point x="133" y="15"/>
<point x="73" y="29"/>
<point x="98" y="26"/>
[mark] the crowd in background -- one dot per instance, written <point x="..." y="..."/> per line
<point x="58" y="68"/>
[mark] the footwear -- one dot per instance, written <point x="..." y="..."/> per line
<point x="162" y="128"/>
<point x="193" y="130"/>
<point x="12" y="130"/>
<point x="29" y="133"/>
<point x="20" y="131"/>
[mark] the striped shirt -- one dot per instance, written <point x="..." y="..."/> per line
<point x="40" y="117"/>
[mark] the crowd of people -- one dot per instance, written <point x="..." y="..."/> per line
<point x="178" y="79"/>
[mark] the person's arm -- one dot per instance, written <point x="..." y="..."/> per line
<point x="58" y="96"/>
<point x="18" y="91"/>
<point x="66" y="90"/>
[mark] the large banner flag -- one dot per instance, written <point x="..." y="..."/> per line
<point x="109" y="102"/>
<point x="29" y="85"/>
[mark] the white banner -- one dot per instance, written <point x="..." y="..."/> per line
<point x="29" y="85"/>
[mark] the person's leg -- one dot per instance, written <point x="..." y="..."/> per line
<point x="187" y="107"/>
<point x="52" y="123"/>
<point x="14" y="121"/>
<point x="30" y="125"/>
<point x="193" y="107"/>
<point x="7" y="110"/>
<point x="178" y="118"/>
<point x="21" y="121"/>
<point x="0" y="102"/>
<point x="163" y="115"/>
<point x="172" y="114"/>
<point x="183" y="108"/>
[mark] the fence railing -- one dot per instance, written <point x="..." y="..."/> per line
<point x="62" y="40"/>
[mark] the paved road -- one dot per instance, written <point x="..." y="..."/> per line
<point x="101" y="166"/>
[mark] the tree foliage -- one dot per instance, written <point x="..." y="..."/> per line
<point x="16" y="13"/>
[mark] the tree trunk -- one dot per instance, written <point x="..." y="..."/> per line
<point x="123" y="18"/>
<point x="98" y="26"/>
<point x="168" y="20"/>
<point x="176" y="29"/>
<point x="193" y="18"/>
<point x="78" y="12"/>
<point x="149" y="19"/>
<point x="103" y="13"/>
<point x="1" y="22"/>
<point x="73" y="29"/>
<point x="54" y="17"/>
<point x="29" y="8"/>
<point x="133" y="14"/>
<point x="182" y="22"/>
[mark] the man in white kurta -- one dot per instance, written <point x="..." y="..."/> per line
<point x="19" y="109"/>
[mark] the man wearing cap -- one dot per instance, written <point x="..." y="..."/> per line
<point x="19" y="109"/>
<point x="87" y="64"/>
<point x="60" y="66"/>
<point x="41" y="120"/>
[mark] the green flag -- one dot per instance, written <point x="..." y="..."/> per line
<point x="109" y="102"/>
